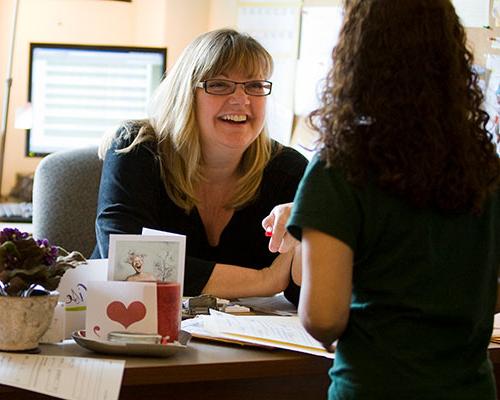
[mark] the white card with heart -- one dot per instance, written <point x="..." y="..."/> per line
<point x="115" y="306"/>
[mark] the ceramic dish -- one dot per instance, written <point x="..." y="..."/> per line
<point x="133" y="349"/>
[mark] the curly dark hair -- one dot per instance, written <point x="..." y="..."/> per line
<point x="402" y="104"/>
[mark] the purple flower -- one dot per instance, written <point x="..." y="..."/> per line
<point x="12" y="234"/>
<point x="50" y="256"/>
<point x="19" y="248"/>
<point x="50" y="252"/>
<point x="26" y="262"/>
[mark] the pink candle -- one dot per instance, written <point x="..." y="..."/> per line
<point x="169" y="315"/>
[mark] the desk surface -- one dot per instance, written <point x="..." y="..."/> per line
<point x="211" y="371"/>
<point x="216" y="371"/>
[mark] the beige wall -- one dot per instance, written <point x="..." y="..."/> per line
<point x="170" y="23"/>
<point x="223" y="14"/>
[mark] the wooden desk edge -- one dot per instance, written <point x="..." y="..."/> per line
<point x="299" y="366"/>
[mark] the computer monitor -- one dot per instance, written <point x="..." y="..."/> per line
<point x="78" y="92"/>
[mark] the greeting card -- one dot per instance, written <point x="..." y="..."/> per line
<point x="115" y="306"/>
<point x="147" y="258"/>
<point x="73" y="292"/>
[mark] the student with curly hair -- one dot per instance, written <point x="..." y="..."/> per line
<point x="399" y="212"/>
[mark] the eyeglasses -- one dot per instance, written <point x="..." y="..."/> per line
<point x="220" y="87"/>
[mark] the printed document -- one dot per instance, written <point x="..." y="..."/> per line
<point x="72" y="378"/>
<point x="263" y="330"/>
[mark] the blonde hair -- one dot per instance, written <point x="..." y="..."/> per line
<point x="172" y="122"/>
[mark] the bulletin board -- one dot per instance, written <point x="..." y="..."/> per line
<point x="485" y="42"/>
<point x="485" y="38"/>
<point x="299" y="61"/>
<point x="276" y="25"/>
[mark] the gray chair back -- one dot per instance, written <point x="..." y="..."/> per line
<point x="65" y="190"/>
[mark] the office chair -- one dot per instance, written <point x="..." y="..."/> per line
<point x="65" y="191"/>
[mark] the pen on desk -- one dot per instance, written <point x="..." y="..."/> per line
<point x="269" y="231"/>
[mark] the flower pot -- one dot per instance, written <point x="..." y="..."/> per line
<point x="24" y="320"/>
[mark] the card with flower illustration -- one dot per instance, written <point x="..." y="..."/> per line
<point x="147" y="258"/>
<point x="120" y="307"/>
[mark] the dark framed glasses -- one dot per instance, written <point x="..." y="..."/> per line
<point x="220" y="87"/>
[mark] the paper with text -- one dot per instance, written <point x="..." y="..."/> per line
<point x="282" y="332"/>
<point x="72" y="378"/>
<point x="495" y="335"/>
<point x="273" y="305"/>
<point x="276" y="25"/>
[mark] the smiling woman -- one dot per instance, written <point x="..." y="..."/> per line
<point x="229" y="118"/>
<point x="204" y="166"/>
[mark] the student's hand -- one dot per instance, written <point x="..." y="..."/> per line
<point x="275" y="222"/>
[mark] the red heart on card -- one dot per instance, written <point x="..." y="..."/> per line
<point x="126" y="316"/>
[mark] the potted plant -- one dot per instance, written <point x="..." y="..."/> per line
<point x="30" y="271"/>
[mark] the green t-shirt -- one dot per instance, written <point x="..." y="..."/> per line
<point x="424" y="291"/>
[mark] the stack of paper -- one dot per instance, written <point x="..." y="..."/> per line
<point x="495" y="335"/>
<point x="270" y="331"/>
<point x="73" y="378"/>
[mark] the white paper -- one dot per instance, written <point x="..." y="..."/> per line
<point x="319" y="32"/>
<point x="495" y="12"/>
<point x="309" y="83"/>
<point x="281" y="329"/>
<point x="72" y="378"/>
<point x="282" y="332"/>
<point x="23" y="117"/>
<point x="275" y="26"/>
<point x="318" y="36"/>
<point x="279" y="115"/>
<point x="73" y="291"/>
<point x="277" y="303"/>
<point x="496" y="321"/>
<point x="491" y="103"/>
<point x="473" y="13"/>
<point x="153" y="232"/>
<point x="493" y="62"/>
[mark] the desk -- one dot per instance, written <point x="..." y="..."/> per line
<point x="209" y="371"/>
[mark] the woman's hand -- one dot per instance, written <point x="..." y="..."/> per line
<point x="278" y="273"/>
<point x="231" y="281"/>
<point x="275" y="222"/>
